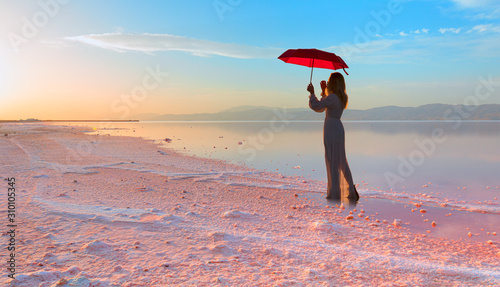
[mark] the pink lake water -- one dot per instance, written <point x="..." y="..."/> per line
<point x="451" y="171"/>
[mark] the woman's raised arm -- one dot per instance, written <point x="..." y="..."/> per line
<point x="319" y="105"/>
<point x="315" y="104"/>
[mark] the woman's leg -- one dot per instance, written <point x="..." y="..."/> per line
<point x="332" y="173"/>
<point x="353" y="193"/>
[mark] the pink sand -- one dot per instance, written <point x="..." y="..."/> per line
<point x="123" y="211"/>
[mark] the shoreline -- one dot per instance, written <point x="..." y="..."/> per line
<point x="94" y="207"/>
<point x="406" y="203"/>
<point x="67" y="121"/>
<point x="242" y="121"/>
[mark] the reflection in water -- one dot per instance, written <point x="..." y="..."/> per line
<point x="345" y="202"/>
<point x="477" y="128"/>
<point x="398" y="165"/>
<point x="386" y="155"/>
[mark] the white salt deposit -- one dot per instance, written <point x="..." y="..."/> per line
<point x="397" y="223"/>
<point x="69" y="277"/>
<point x="236" y="214"/>
<point x="323" y="225"/>
<point x="93" y="211"/>
<point x="97" y="246"/>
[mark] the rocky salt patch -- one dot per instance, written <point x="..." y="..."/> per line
<point x="97" y="247"/>
<point x="220" y="236"/>
<point x="102" y="213"/>
<point x="221" y="249"/>
<point x="73" y="276"/>
<point x="237" y="214"/>
<point x="323" y="225"/>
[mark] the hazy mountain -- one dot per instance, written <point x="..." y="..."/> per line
<point x="425" y="112"/>
<point x="245" y="108"/>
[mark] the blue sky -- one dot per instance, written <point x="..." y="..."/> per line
<point x="84" y="59"/>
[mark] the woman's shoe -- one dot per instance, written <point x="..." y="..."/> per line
<point x="354" y="196"/>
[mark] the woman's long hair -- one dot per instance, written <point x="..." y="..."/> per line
<point x="336" y="84"/>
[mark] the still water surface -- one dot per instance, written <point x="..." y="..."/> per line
<point x="437" y="162"/>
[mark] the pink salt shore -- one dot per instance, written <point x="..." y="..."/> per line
<point x="113" y="211"/>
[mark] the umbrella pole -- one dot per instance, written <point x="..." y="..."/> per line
<point x="312" y="67"/>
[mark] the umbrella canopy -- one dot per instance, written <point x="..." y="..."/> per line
<point x="313" y="58"/>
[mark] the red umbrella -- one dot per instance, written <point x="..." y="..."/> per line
<point x="313" y="58"/>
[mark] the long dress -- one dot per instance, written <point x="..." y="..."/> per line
<point x="340" y="183"/>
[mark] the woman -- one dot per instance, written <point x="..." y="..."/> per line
<point x="334" y="101"/>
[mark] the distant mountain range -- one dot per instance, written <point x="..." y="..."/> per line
<point x="425" y="112"/>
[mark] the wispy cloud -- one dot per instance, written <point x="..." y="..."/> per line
<point x="473" y="3"/>
<point x="452" y="30"/>
<point x="371" y="52"/>
<point x="149" y="43"/>
<point x="480" y="9"/>
<point x="420" y="31"/>
<point x="416" y="48"/>
<point x="485" y="28"/>
<point x="417" y="32"/>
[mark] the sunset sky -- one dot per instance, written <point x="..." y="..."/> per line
<point x="116" y="59"/>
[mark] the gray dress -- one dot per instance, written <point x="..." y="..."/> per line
<point x="340" y="183"/>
